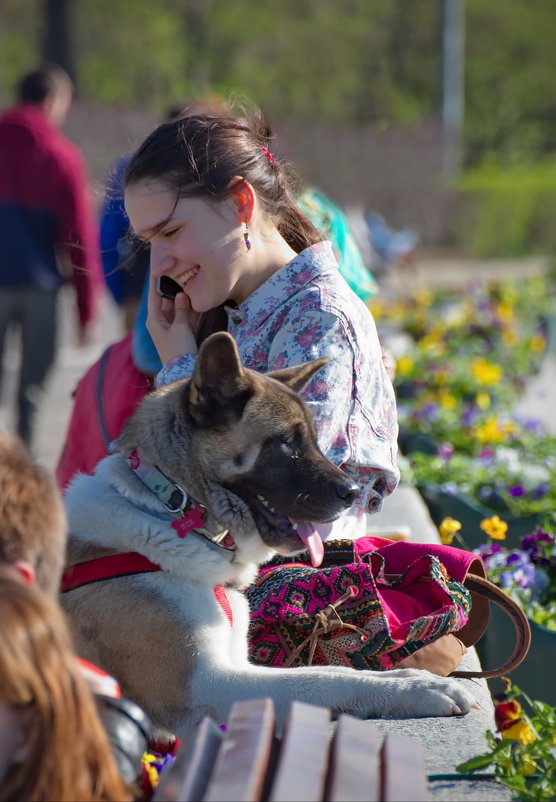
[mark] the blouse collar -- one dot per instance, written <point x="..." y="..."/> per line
<point x="300" y="271"/>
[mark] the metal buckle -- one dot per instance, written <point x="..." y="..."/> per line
<point x="173" y="505"/>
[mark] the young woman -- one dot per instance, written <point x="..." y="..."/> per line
<point x="53" y="745"/>
<point x="218" y="212"/>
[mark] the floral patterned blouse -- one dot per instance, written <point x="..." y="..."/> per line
<point x="305" y="311"/>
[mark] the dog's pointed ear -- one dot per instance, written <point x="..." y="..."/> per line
<point x="297" y="377"/>
<point x="219" y="387"/>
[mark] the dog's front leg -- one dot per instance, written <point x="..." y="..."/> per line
<point x="366" y="694"/>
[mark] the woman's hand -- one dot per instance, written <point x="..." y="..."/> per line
<point x="389" y="362"/>
<point x="171" y="324"/>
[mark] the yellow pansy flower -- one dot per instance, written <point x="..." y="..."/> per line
<point x="486" y="372"/>
<point x="538" y="343"/>
<point x="424" y="297"/>
<point x="441" y="376"/>
<point x="490" y="432"/>
<point x="448" y="529"/>
<point x="482" y="399"/>
<point x="527" y="765"/>
<point x="510" y="336"/>
<point x="432" y="343"/>
<point x="396" y="311"/>
<point x="404" y="365"/>
<point x="494" y="527"/>
<point x="511" y="427"/>
<point x="520" y="731"/>
<point x="447" y="400"/>
<point x="150" y="771"/>
<point x="505" y="312"/>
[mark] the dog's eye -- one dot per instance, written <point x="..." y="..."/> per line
<point x="239" y="459"/>
<point x="289" y="447"/>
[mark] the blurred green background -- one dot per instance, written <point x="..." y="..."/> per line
<point x="356" y="89"/>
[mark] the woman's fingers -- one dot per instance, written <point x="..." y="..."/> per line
<point x="171" y="324"/>
<point x="184" y="312"/>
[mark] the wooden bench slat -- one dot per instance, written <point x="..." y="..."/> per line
<point x="307" y="764"/>
<point x="242" y="762"/>
<point x="303" y="758"/>
<point x="404" y="776"/>
<point x="187" y="778"/>
<point x="354" y="771"/>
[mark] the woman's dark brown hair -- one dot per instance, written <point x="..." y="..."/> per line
<point x="68" y="755"/>
<point x="200" y="155"/>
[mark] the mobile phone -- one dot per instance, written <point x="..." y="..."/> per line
<point x="167" y="287"/>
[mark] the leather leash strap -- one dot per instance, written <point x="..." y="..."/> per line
<point x="487" y="589"/>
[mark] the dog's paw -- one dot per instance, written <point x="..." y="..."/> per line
<point x="418" y="693"/>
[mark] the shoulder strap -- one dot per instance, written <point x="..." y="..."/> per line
<point x="489" y="591"/>
<point x="99" y="392"/>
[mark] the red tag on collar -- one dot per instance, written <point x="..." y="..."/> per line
<point x="223" y="601"/>
<point x="228" y="542"/>
<point x="193" y="519"/>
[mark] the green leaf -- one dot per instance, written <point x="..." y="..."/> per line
<point x="475" y="763"/>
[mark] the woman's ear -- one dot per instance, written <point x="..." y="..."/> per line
<point x="244" y="201"/>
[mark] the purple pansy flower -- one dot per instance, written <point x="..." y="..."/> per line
<point x="445" y="451"/>
<point x="541" y="490"/>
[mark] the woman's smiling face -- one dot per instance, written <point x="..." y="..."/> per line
<point x="197" y="243"/>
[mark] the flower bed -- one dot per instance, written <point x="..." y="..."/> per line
<point x="527" y="573"/>
<point x="526" y="570"/>
<point x="458" y="387"/>
<point x="485" y="473"/>
<point x="515" y="482"/>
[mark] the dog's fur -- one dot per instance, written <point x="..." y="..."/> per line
<point x="230" y="437"/>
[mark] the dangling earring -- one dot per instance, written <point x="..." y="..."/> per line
<point x="246" y="237"/>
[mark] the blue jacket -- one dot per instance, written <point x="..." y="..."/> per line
<point x="124" y="267"/>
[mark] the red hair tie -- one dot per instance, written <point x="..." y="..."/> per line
<point x="268" y="154"/>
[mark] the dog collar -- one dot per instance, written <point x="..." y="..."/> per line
<point x="171" y="494"/>
<point x="177" y="502"/>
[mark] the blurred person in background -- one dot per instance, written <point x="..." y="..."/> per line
<point x="48" y="230"/>
<point x="125" y="266"/>
<point x="333" y="224"/>
<point x="33" y="532"/>
<point x="53" y="745"/>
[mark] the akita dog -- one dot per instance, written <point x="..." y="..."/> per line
<point x="213" y="476"/>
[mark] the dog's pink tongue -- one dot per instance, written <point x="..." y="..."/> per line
<point x="313" y="542"/>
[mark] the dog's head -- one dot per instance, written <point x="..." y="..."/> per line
<point x="244" y="445"/>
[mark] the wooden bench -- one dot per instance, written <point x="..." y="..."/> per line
<point x="312" y="761"/>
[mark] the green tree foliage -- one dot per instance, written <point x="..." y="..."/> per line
<point x="345" y="62"/>
<point x="510" y="68"/>
<point x="21" y="32"/>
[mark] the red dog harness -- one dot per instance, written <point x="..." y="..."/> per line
<point x="126" y="564"/>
